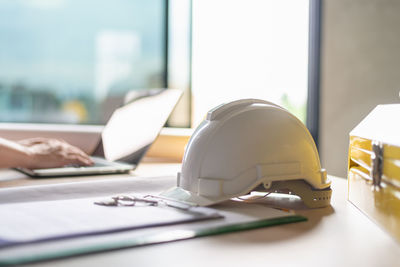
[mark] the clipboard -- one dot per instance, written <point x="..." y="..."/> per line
<point x="231" y="216"/>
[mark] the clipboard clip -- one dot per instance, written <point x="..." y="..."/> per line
<point x="149" y="200"/>
<point x="126" y="201"/>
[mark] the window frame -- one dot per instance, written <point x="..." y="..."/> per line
<point x="314" y="60"/>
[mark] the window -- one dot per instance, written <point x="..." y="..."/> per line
<point x="70" y="61"/>
<point x="250" y="49"/>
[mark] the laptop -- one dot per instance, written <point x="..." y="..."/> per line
<point x="126" y="137"/>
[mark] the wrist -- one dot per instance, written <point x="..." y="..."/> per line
<point x="25" y="158"/>
<point x="15" y="154"/>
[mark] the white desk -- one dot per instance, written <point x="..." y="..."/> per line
<point x="336" y="236"/>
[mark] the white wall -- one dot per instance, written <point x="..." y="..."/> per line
<point x="360" y="69"/>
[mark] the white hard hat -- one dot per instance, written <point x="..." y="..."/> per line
<point x="246" y="145"/>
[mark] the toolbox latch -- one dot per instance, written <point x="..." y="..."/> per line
<point x="376" y="163"/>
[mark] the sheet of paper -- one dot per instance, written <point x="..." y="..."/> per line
<point x="131" y="184"/>
<point x="45" y="220"/>
<point x="61" y="210"/>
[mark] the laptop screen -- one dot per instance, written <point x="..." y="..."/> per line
<point x="134" y="127"/>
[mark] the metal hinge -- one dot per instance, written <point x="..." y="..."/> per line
<point x="376" y="163"/>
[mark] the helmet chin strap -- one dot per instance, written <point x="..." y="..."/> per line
<point x="312" y="198"/>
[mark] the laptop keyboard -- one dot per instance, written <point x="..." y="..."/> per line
<point x="96" y="164"/>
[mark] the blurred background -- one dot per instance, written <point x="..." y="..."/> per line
<point x="69" y="61"/>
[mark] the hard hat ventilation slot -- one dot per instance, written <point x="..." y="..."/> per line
<point x="321" y="198"/>
<point x="311" y="197"/>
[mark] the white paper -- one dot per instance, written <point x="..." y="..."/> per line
<point x="73" y="190"/>
<point x="50" y="219"/>
<point x="38" y="212"/>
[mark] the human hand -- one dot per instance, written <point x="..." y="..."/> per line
<point x="52" y="153"/>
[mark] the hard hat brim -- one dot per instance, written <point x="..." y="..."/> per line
<point x="182" y="195"/>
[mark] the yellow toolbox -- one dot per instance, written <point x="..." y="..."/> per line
<point x="374" y="167"/>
